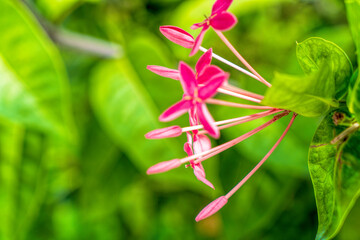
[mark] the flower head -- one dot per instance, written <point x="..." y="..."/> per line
<point x="194" y="98"/>
<point x="219" y="19"/>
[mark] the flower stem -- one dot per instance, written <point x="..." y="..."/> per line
<point x="238" y="95"/>
<point x="207" y="154"/>
<point x="237" y="54"/>
<point x="242" y="119"/>
<point x="232" y="104"/>
<point x="230" y="64"/>
<point x="229" y="194"/>
<point x="242" y="91"/>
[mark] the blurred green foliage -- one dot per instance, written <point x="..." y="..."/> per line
<point x="72" y="152"/>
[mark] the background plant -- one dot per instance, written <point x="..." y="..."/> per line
<point x="76" y="100"/>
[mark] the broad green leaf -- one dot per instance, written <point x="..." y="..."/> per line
<point x="353" y="14"/>
<point x="335" y="173"/>
<point x="310" y="96"/>
<point x="126" y="113"/>
<point x="328" y="71"/>
<point x="314" y="52"/>
<point x="33" y="85"/>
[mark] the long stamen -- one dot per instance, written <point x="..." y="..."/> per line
<point x="244" y="119"/>
<point x="207" y="154"/>
<point x="231" y="64"/>
<point x="232" y="104"/>
<point x="238" y="95"/>
<point x="232" y="191"/>
<point x="237" y="54"/>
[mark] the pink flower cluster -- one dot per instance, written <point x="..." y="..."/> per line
<point x="200" y="86"/>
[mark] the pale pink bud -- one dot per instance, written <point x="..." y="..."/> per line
<point x="164" y="166"/>
<point x="211" y="208"/>
<point x="178" y="36"/>
<point x="173" y="131"/>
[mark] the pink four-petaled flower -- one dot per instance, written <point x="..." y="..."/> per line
<point x="195" y="96"/>
<point x="219" y="20"/>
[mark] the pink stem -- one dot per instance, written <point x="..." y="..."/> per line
<point x="236" y="123"/>
<point x="237" y="54"/>
<point x="229" y="194"/>
<point x="238" y="95"/>
<point x="232" y="104"/>
<point x="244" y="119"/>
<point x="207" y="154"/>
<point x="242" y="91"/>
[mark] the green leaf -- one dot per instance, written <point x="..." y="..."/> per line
<point x="310" y="96"/>
<point x="33" y="86"/>
<point x="315" y="52"/>
<point x="126" y="113"/>
<point x="328" y="71"/>
<point x="335" y="172"/>
<point x="353" y="100"/>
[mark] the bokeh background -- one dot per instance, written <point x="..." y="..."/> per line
<point x="93" y="185"/>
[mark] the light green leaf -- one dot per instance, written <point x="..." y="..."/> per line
<point x="33" y="83"/>
<point x="328" y="71"/>
<point x="353" y="14"/>
<point x="126" y="113"/>
<point x="310" y="96"/>
<point x="315" y="52"/>
<point x="335" y="173"/>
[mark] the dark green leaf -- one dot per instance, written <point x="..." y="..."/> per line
<point x="335" y="172"/>
<point x="353" y="14"/>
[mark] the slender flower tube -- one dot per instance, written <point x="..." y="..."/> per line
<point x="218" y="203"/>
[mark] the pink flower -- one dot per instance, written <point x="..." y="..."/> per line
<point x="219" y="20"/>
<point x="194" y="97"/>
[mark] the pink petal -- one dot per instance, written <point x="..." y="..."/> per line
<point x="201" y="143"/>
<point x="207" y="121"/>
<point x="223" y="21"/>
<point x="208" y="73"/>
<point x="220" y="6"/>
<point x="173" y="131"/>
<point x="203" y="61"/>
<point x="178" y="36"/>
<point x="212" y="208"/>
<point x="187" y="79"/>
<point x="164" y="72"/>
<point x="199" y="173"/>
<point x="193" y="119"/>
<point x="175" y="110"/>
<point x="164" y="166"/>
<point x="188" y="149"/>
<point x="209" y="89"/>
<point x="198" y="41"/>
